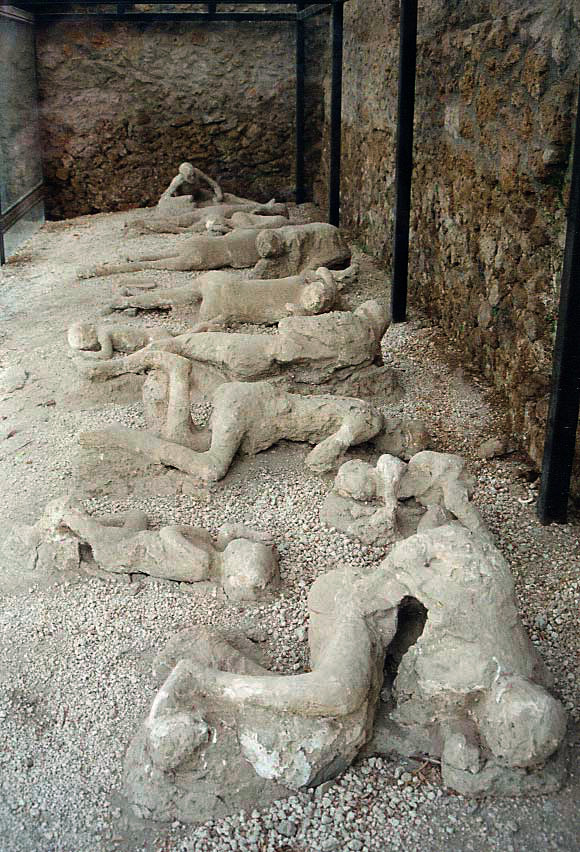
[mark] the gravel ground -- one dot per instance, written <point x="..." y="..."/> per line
<point x="76" y="651"/>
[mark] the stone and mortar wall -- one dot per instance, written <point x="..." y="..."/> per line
<point x="495" y="102"/>
<point x="123" y="104"/>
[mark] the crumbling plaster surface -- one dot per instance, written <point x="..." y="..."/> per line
<point x="123" y="104"/>
<point x="494" y="110"/>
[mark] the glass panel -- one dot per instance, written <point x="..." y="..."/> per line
<point x="22" y="230"/>
<point x="20" y="158"/>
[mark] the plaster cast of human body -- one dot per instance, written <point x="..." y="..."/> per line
<point x="377" y="504"/>
<point x="188" y="182"/>
<point x="247" y="417"/>
<point x="274" y="253"/>
<point x="177" y="220"/>
<point x="317" y="349"/>
<point x="242" y="561"/>
<point x="100" y="341"/>
<point x="467" y="688"/>
<point x="225" y="297"/>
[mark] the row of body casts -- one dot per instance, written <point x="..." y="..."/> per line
<point x="435" y="624"/>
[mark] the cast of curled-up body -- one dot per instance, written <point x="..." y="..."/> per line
<point x="242" y="561"/>
<point x="188" y="184"/>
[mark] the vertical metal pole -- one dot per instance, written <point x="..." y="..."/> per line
<point x="2" y="250"/>
<point x="404" y="157"/>
<point x="300" y="71"/>
<point x="565" y="394"/>
<point x="335" y="113"/>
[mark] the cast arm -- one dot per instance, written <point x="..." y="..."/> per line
<point x="172" y="188"/>
<point x="219" y="196"/>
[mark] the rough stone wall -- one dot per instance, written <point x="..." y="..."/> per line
<point x="495" y="101"/>
<point x="123" y="104"/>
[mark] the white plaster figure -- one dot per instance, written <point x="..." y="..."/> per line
<point x="247" y="417"/>
<point x="316" y="349"/>
<point x="273" y="253"/>
<point x="225" y="297"/>
<point x="437" y="616"/>
<point x="377" y="504"/>
<point x="177" y="220"/>
<point x="188" y="182"/>
<point x="101" y="341"/>
<point x="242" y="561"/>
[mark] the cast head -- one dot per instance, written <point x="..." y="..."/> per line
<point x="249" y="570"/>
<point x="319" y="292"/>
<point x="269" y="243"/>
<point x="186" y="170"/>
<point x="521" y="723"/>
<point x="83" y="335"/>
<point x="376" y="315"/>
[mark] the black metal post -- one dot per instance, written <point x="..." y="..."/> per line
<point x="337" y="20"/>
<point x="562" y="424"/>
<point x="2" y="250"/>
<point x="300" y="71"/>
<point x="404" y="157"/>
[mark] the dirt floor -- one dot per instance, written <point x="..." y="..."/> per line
<point x="76" y="649"/>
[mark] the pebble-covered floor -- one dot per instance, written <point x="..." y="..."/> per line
<point x="75" y="655"/>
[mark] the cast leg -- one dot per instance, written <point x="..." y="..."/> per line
<point x="138" y="362"/>
<point x="138" y="265"/>
<point x="164" y="298"/>
<point x="356" y="428"/>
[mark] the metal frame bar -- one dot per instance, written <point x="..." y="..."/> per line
<point x="304" y="11"/>
<point x="70" y="17"/>
<point x="40" y="7"/>
<point x="560" y="443"/>
<point x="337" y="26"/>
<point x="12" y="10"/>
<point x="312" y="11"/>
<point x="45" y="11"/>
<point x="41" y="4"/>
<point x="404" y="158"/>
<point x="16" y="211"/>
